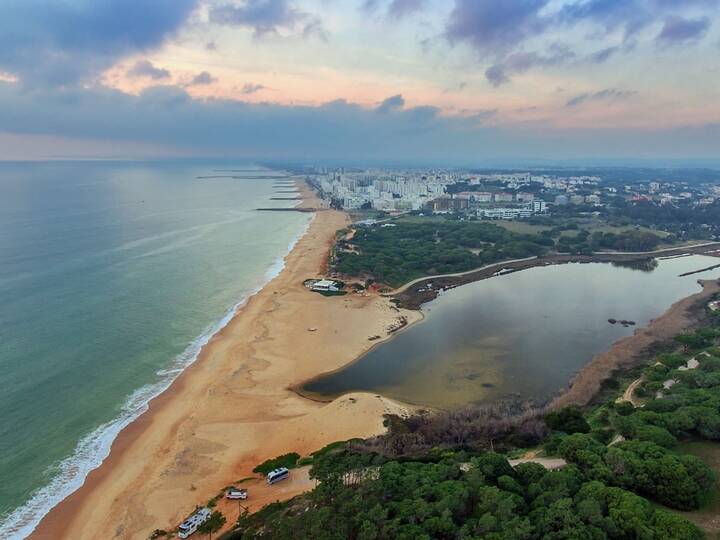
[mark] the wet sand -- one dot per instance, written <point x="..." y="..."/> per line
<point x="233" y="408"/>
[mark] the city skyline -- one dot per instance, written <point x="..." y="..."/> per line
<point x="458" y="82"/>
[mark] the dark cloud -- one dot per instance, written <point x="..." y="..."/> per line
<point x="202" y="78"/>
<point x="338" y="130"/>
<point x="678" y="30"/>
<point x="315" y="28"/>
<point x="161" y="115"/>
<point x="60" y="43"/>
<point x="395" y="9"/>
<point x="608" y="94"/>
<point x="603" y="55"/>
<point x="424" y="113"/>
<point x="403" y="8"/>
<point x="629" y="15"/>
<point x="145" y="68"/>
<point x="250" y="88"/>
<point x="482" y="115"/>
<point x="501" y="29"/>
<point x="494" y="27"/>
<point x="520" y="62"/>
<point x="393" y="103"/>
<point x="266" y="17"/>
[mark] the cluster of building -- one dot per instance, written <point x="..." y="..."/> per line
<point x="436" y="191"/>
<point x="382" y="190"/>
<point x="489" y="196"/>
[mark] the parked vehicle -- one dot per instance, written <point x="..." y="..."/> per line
<point x="277" y="475"/>
<point x="236" y="493"/>
<point x="191" y="524"/>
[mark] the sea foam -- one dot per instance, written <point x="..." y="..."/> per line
<point x="70" y="474"/>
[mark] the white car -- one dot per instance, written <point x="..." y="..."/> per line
<point x="236" y="493"/>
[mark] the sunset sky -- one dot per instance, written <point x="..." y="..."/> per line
<point x="456" y="81"/>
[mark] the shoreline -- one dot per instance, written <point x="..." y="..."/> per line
<point x="297" y="388"/>
<point x="94" y="447"/>
<point x="168" y="460"/>
<point x="631" y="351"/>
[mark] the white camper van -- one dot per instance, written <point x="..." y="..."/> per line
<point x="277" y="475"/>
<point x="191" y="524"/>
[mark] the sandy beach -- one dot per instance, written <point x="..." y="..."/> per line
<point x="233" y="408"/>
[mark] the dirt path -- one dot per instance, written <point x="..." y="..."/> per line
<point x="498" y="265"/>
<point x="550" y="464"/>
<point x="629" y="393"/>
<point x="261" y="494"/>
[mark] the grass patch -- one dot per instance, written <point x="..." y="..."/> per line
<point x="288" y="461"/>
<point x="706" y="517"/>
<point x="332" y="293"/>
<point x="521" y="227"/>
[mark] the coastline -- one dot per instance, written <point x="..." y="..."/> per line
<point x="298" y="388"/>
<point x="168" y="460"/>
<point x="233" y="407"/>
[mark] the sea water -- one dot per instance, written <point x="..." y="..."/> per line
<point x="113" y="275"/>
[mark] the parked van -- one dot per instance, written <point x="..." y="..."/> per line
<point x="191" y="524"/>
<point x="236" y="493"/>
<point x="277" y="475"/>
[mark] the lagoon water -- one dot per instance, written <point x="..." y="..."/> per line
<point x="522" y="334"/>
<point x="112" y="275"/>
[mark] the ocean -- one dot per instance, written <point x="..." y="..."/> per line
<point x="112" y="277"/>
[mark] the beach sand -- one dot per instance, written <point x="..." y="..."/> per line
<point x="233" y="408"/>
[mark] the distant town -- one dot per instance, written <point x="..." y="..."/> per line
<point x="506" y="195"/>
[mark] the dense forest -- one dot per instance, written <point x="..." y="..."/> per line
<point x="630" y="241"/>
<point x="437" y="477"/>
<point x="407" y="250"/>
<point x="685" y="221"/>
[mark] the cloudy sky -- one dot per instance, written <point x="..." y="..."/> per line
<point x="456" y="81"/>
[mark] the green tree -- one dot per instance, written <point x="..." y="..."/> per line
<point x="213" y="524"/>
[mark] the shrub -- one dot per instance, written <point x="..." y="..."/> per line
<point x="286" y="460"/>
<point x="568" y="420"/>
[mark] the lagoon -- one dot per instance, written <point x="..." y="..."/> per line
<point x="521" y="335"/>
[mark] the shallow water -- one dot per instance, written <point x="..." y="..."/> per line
<point x="523" y="334"/>
<point x="112" y="276"/>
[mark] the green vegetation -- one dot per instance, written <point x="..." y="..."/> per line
<point x="415" y="500"/>
<point x="585" y="242"/>
<point x="412" y="249"/>
<point x="677" y="481"/>
<point x="685" y="220"/>
<point x="212" y="525"/>
<point x="707" y="516"/>
<point x="288" y="461"/>
<point x="568" y="420"/>
<point x="332" y="293"/>
<point x="627" y="476"/>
